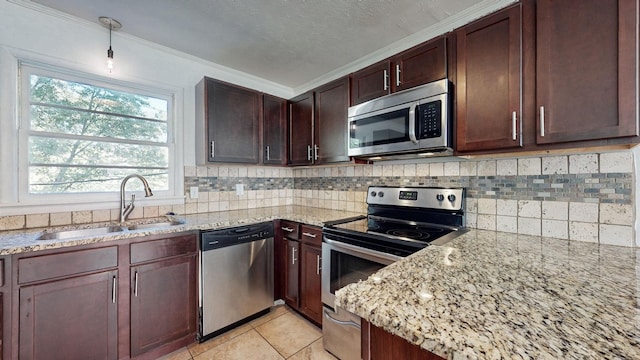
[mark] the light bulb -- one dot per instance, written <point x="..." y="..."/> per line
<point x="110" y="59"/>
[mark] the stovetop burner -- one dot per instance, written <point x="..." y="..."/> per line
<point x="408" y="233"/>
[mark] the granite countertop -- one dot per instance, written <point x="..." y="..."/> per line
<point x="488" y="295"/>
<point x="18" y="241"/>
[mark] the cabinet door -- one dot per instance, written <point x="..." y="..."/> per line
<point x="380" y="344"/>
<point x="586" y="54"/>
<point x="163" y="302"/>
<point x="274" y="133"/>
<point x="371" y="82"/>
<point x="292" y="269"/>
<point x="310" y="296"/>
<point x="75" y="318"/>
<point x="330" y="122"/>
<point x="489" y="83"/>
<point x="301" y="125"/>
<point x="423" y="64"/>
<point x="233" y="115"/>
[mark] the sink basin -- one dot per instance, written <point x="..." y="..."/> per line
<point x="70" y="234"/>
<point x="154" y="225"/>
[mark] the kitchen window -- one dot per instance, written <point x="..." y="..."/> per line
<point x="81" y="135"/>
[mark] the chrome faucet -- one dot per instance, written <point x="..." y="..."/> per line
<point x="126" y="210"/>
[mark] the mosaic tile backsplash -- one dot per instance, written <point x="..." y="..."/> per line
<point x="585" y="197"/>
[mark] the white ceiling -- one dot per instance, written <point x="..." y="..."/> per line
<point x="289" y="42"/>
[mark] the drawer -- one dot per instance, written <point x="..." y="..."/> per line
<point x="311" y="235"/>
<point x="290" y="229"/>
<point x="163" y="248"/>
<point x="63" y="264"/>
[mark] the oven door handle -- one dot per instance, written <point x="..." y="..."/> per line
<point x="340" y="322"/>
<point x="389" y="258"/>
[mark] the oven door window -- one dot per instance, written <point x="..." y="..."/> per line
<point x="347" y="269"/>
<point x="385" y="128"/>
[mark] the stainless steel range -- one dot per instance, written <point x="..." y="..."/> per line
<point x="399" y="222"/>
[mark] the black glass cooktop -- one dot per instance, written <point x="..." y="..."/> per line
<point x="410" y="231"/>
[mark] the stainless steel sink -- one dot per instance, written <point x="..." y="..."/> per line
<point x="154" y="225"/>
<point x="70" y="234"/>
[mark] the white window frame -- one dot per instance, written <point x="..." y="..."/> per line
<point x="14" y="194"/>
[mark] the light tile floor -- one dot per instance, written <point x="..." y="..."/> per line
<point x="280" y="334"/>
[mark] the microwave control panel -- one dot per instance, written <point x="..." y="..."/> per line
<point x="430" y="119"/>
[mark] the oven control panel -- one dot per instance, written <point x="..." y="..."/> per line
<point x="427" y="197"/>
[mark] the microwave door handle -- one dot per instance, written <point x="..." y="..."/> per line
<point x="412" y="123"/>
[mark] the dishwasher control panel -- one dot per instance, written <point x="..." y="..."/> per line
<point x="214" y="239"/>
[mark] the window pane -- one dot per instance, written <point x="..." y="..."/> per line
<point x="78" y="122"/>
<point x="52" y="179"/>
<point x="87" y="138"/>
<point x="64" y="93"/>
<point x="80" y="152"/>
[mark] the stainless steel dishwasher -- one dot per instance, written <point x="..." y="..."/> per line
<point x="236" y="277"/>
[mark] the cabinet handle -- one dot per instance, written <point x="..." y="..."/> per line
<point x="309" y="235"/>
<point x="293" y="256"/>
<point x="287" y="229"/>
<point x="309" y="152"/>
<point x="386" y="80"/>
<point x="213" y="149"/>
<point x="318" y="268"/>
<point x="135" y="285"/>
<point x="113" y="289"/>
<point x="268" y="152"/>
<point x="514" y="119"/>
<point x="397" y="74"/>
<point x="315" y="151"/>
<point x="542" y="121"/>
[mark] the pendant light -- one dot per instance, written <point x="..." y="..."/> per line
<point x="112" y="25"/>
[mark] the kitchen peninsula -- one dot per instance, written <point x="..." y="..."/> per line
<point x="492" y="295"/>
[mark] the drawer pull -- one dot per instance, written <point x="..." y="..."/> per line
<point x="287" y="229"/>
<point x="309" y="235"/>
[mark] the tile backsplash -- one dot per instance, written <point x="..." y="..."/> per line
<point x="585" y="197"/>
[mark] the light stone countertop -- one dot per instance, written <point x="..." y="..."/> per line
<point x="18" y="241"/>
<point x="488" y="295"/>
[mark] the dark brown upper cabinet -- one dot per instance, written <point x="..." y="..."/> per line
<point x="371" y="82"/>
<point x="274" y="130"/>
<point x="228" y="123"/>
<point x="301" y="113"/>
<point x="330" y="121"/>
<point x="318" y="124"/>
<point x="586" y="53"/>
<point x="419" y="65"/>
<point x="489" y="83"/>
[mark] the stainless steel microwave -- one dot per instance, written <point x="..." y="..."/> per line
<point x="411" y="123"/>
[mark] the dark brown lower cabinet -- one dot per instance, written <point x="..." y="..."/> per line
<point x="380" y="344"/>
<point x="310" y="299"/>
<point x="73" y="318"/>
<point x="75" y="304"/>
<point x="292" y="273"/>
<point x="163" y="303"/>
